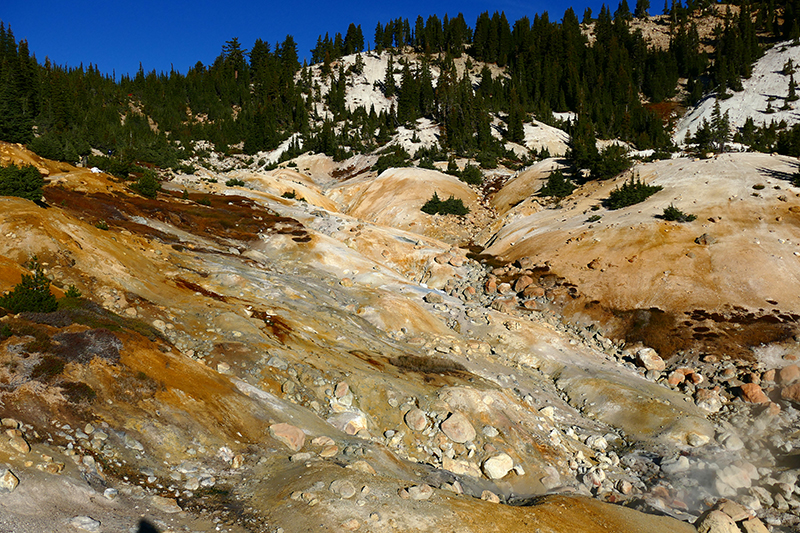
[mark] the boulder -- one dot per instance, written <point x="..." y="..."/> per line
<point x="522" y="283"/>
<point x="649" y="359"/>
<point x="497" y="466"/>
<point x="791" y="393"/>
<point x="715" y="522"/>
<point x="343" y="488"/>
<point x="8" y="481"/>
<point x="753" y="393"/>
<point x="292" y="436"/>
<point x="420" y="492"/>
<point x="789" y="374"/>
<point x="85" y="523"/>
<point x="351" y="422"/>
<point x="416" y="419"/>
<point x="458" y="428"/>
<point x="461" y="467"/>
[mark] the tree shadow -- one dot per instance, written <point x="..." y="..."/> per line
<point x="146" y="527"/>
<point x="780" y="174"/>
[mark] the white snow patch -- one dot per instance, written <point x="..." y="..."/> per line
<point x="766" y="81"/>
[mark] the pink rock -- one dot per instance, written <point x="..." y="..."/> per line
<point x="293" y="437"/>
<point x="416" y="419"/>
<point x="522" y="283"/>
<point x="791" y="393"/>
<point x="789" y="374"/>
<point x="533" y="291"/>
<point x="752" y="393"/>
<point x="458" y="428"/>
<point x="649" y="359"/>
<point x="675" y="378"/>
<point x="769" y="375"/>
<point x="491" y="285"/>
<point x="504" y="288"/>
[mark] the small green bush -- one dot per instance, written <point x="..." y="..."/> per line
<point x="204" y="201"/>
<point x="593" y="218"/>
<point x="632" y="192"/>
<point x="148" y="185"/>
<point x="673" y="214"/>
<point x="557" y="185"/>
<point x="31" y="294"/>
<point x="234" y="183"/>
<point x="395" y="159"/>
<point x="471" y="175"/>
<point x="611" y="161"/>
<point x="23" y="182"/>
<point x="103" y="225"/>
<point x="451" y="206"/>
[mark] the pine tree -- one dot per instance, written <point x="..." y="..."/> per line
<point x="792" y="96"/>
<point x="388" y="79"/>
<point x="641" y="10"/>
<point x="720" y="129"/>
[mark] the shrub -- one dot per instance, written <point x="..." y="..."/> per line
<point x="673" y="214"/>
<point x="23" y="182"/>
<point x="148" y="185"/>
<point x="471" y="175"/>
<point x="204" y="201"/>
<point x="451" y="206"/>
<point x="426" y="162"/>
<point x="103" y="225"/>
<point x="611" y="161"/>
<point x="234" y="183"/>
<point x="47" y="368"/>
<point x="293" y="196"/>
<point x="78" y="392"/>
<point x="632" y="192"/>
<point x="557" y="185"/>
<point x="31" y="294"/>
<point x="395" y="159"/>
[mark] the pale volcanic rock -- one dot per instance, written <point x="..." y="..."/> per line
<point x="461" y="467"/>
<point x="753" y="525"/>
<point x="20" y="444"/>
<point x="649" y="359"/>
<point x="716" y="522"/>
<point x="458" y="428"/>
<point x="292" y="436"/>
<point x="351" y="421"/>
<point x="343" y="488"/>
<point x="498" y="466"/>
<point x="420" y="492"/>
<point x="167" y="505"/>
<point x="8" y="481"/>
<point x="416" y="419"/>
<point x="85" y="523"/>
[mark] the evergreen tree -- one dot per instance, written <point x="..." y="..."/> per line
<point x="642" y="7"/>
<point x="720" y="129"/>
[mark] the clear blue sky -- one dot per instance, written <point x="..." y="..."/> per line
<point x="116" y="35"/>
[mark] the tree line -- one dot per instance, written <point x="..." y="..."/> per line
<point x="260" y="97"/>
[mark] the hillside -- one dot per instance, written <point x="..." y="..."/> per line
<point x="258" y="329"/>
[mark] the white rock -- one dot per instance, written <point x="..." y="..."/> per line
<point x="85" y="523"/>
<point x="8" y="481"/>
<point x="498" y="466"/>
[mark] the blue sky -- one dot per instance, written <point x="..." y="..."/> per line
<point x="117" y="35"/>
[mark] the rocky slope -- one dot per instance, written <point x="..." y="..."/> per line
<point x="269" y="364"/>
